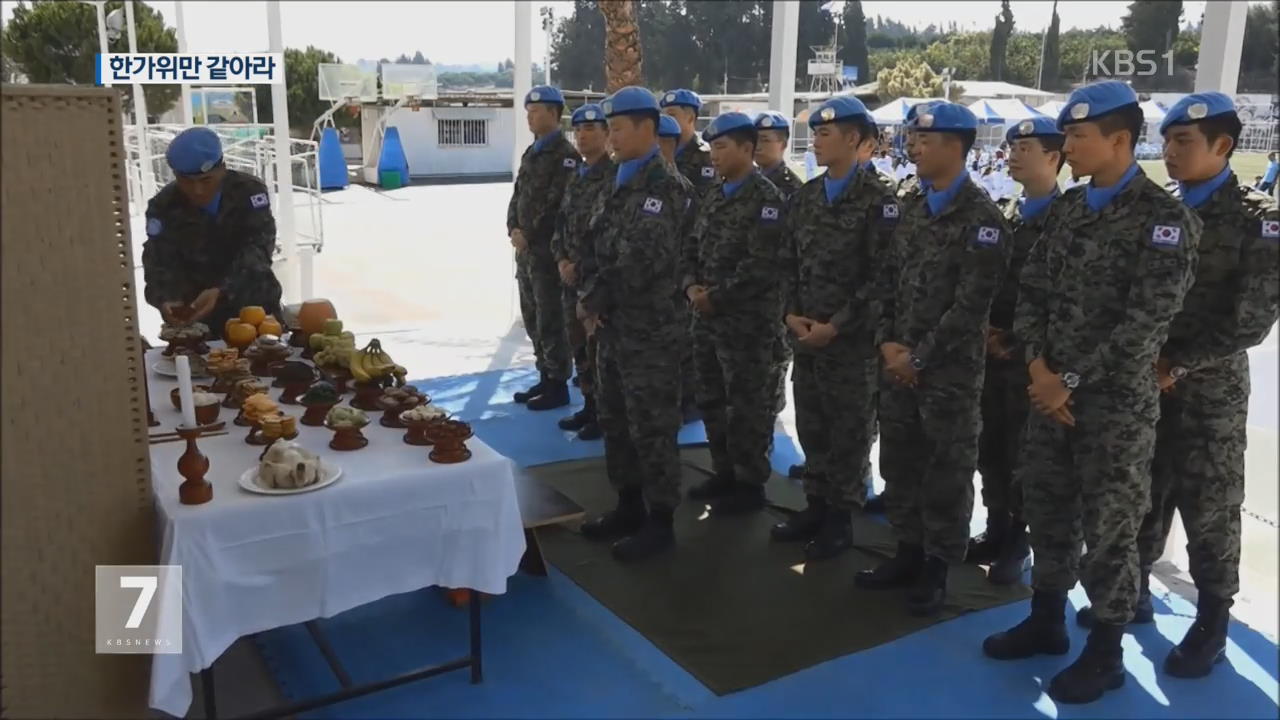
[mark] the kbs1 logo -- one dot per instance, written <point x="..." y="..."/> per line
<point x="1126" y="63"/>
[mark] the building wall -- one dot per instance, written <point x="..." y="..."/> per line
<point x="420" y="136"/>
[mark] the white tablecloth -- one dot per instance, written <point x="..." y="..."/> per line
<point x="393" y="523"/>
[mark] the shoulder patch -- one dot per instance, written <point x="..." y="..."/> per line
<point x="259" y="201"/>
<point x="708" y="172"/>
<point x="988" y="236"/>
<point x="570" y="162"/>
<point x="652" y="206"/>
<point x="768" y="213"/>
<point x="891" y="210"/>
<point x="1271" y="229"/>
<point x="154" y="226"/>
<point x="1166" y="236"/>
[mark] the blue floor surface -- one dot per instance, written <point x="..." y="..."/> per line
<point x="553" y="651"/>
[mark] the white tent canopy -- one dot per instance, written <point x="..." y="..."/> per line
<point x="1002" y="111"/>
<point x="1051" y="108"/>
<point x="894" y="112"/>
<point x="1153" y="112"/>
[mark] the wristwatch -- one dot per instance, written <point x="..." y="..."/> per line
<point x="1070" y="380"/>
<point x="1177" y="372"/>
<point x="917" y="362"/>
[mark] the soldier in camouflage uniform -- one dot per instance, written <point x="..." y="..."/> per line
<point x="693" y="157"/>
<point x="1203" y="370"/>
<point x="837" y="227"/>
<point x="545" y="169"/>
<point x="625" y="299"/>
<point x="731" y="281"/>
<point x="1097" y="296"/>
<point x="771" y="155"/>
<point x="210" y="237"/>
<point x="1037" y="158"/>
<point x="668" y="144"/>
<point x="585" y="187"/>
<point x="944" y="266"/>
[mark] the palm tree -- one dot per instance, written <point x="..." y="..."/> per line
<point x="622" y="54"/>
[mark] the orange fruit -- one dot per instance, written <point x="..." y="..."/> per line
<point x="241" y="335"/>
<point x="226" y="328"/>
<point x="270" y="326"/>
<point x="252" y="314"/>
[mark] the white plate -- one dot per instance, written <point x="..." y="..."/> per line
<point x="331" y="473"/>
<point x="168" y="368"/>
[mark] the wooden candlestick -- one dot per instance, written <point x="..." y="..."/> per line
<point x="195" y="490"/>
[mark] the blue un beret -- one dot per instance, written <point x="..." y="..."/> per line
<point x="194" y="151"/>
<point x="1197" y="106"/>
<point x="845" y="107"/>
<point x="944" y="117"/>
<point x="1095" y="100"/>
<point x="772" y="120"/>
<point x="544" y="94"/>
<point x="668" y="127"/>
<point x="633" y="99"/>
<point x="687" y="98"/>
<point x="726" y="123"/>
<point x="586" y="114"/>
<point x="1041" y="126"/>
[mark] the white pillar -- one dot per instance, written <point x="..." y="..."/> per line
<point x="522" y="81"/>
<point x="104" y="48"/>
<point x="1221" y="43"/>
<point x="782" y="56"/>
<point x="187" y="111"/>
<point x="289" y="271"/>
<point x="140" y="114"/>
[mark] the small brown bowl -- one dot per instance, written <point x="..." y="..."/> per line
<point x="347" y="437"/>
<point x="314" y="415"/>
<point x="176" y="397"/>
<point x="207" y="414"/>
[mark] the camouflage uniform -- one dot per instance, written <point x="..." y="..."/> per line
<point x="1004" y="392"/>
<point x="580" y="197"/>
<point x="1097" y="296"/>
<point x="832" y="254"/>
<point x="187" y="251"/>
<point x="910" y="187"/>
<point x="693" y="160"/>
<point x="692" y="198"/>
<point x="535" y="200"/>
<point x="733" y="252"/>
<point x="939" y="278"/>
<point x="1198" y="467"/>
<point x="628" y="279"/>
<point x="787" y="184"/>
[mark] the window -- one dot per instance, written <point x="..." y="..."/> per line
<point x="463" y="133"/>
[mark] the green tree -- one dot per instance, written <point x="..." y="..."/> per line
<point x="1052" y="58"/>
<point x="420" y="59"/>
<point x="968" y="53"/>
<point x="1077" y="48"/>
<point x="302" y="80"/>
<point x="1000" y="41"/>
<point x="1258" y="59"/>
<point x="855" y="39"/>
<point x="912" y="77"/>
<point x="577" y="47"/>
<point x="57" y="42"/>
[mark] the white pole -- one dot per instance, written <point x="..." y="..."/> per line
<point x="187" y="111"/>
<point x="140" y="114"/>
<point x="290" y="275"/>
<point x="782" y="56"/>
<point x="1221" y="43"/>
<point x="522" y="81"/>
<point x="102" y="27"/>
<point x="546" y="53"/>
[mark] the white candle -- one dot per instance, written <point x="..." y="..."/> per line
<point x="184" y="390"/>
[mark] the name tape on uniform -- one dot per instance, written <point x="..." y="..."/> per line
<point x="1166" y="236"/>
<point x="652" y="205"/>
<point x="988" y="235"/>
<point x="196" y="68"/>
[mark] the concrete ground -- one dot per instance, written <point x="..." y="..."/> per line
<point x="428" y="270"/>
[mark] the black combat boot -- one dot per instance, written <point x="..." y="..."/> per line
<point x="834" y="536"/>
<point x="555" y="394"/>
<point x="525" y="396"/>
<point x="1143" y="613"/>
<point x="578" y="420"/>
<point x="622" y="521"/>
<point x="898" y="571"/>
<point x="1043" y="632"/>
<point x="741" y="499"/>
<point x="930" y="588"/>
<point x="984" y="548"/>
<point x="591" y="431"/>
<point x="802" y="525"/>
<point x="796" y="472"/>
<point x="655" y="536"/>
<point x="715" y="486"/>
<point x="1012" y="561"/>
<point x="1099" y="668"/>
<point x="1205" y="644"/>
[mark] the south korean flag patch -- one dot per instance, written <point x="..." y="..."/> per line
<point x="259" y="201"/>
<point x="1166" y="236"/>
<point x="988" y="236"/>
<point x="708" y="172"/>
<point x="570" y="162"/>
<point x="1271" y="229"/>
<point x="652" y="206"/>
<point x="768" y="214"/>
<point x="891" y="211"/>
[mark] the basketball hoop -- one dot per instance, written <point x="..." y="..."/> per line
<point x="414" y="104"/>
<point x="353" y="111"/>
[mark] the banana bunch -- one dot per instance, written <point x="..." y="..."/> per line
<point x="373" y="364"/>
<point x="333" y="350"/>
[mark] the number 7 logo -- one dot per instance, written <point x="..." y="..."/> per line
<point x="147" y="584"/>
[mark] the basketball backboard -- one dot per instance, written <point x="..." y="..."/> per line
<point x="400" y="81"/>
<point x="339" y="82"/>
